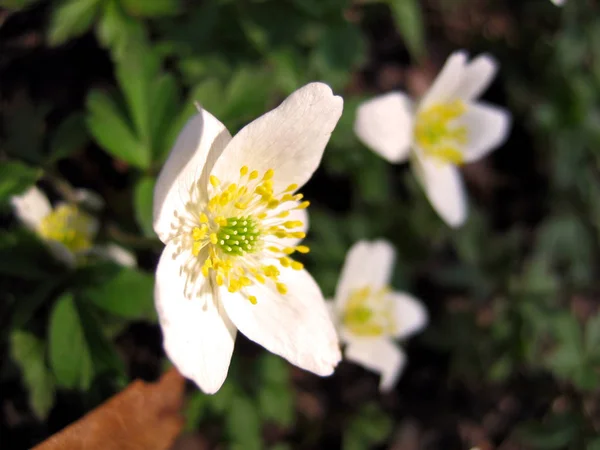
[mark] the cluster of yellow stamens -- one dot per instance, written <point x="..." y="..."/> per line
<point x="437" y="134"/>
<point x="70" y="226"/>
<point x="369" y="313"/>
<point x="241" y="235"/>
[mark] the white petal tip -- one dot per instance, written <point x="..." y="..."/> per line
<point x="327" y="368"/>
<point x="318" y="91"/>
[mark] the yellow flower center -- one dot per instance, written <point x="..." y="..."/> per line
<point x="241" y="235"/>
<point x="70" y="226"/>
<point x="437" y="133"/>
<point x="369" y="313"/>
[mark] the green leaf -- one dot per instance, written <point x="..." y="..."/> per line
<point x="369" y="427"/>
<point x="70" y="356"/>
<point x="30" y="302"/>
<point x="340" y="49"/>
<point x="243" y="425"/>
<point x="322" y="7"/>
<point x="373" y="181"/>
<point x="119" y="31"/>
<point x="248" y="94"/>
<point x="135" y="75"/>
<point x="165" y="105"/>
<point x="24" y="256"/>
<point x="17" y="4"/>
<point x="221" y="402"/>
<point x="151" y="8"/>
<point x="594" y="444"/>
<point x="276" y="403"/>
<point x="142" y="201"/>
<point x="72" y="18"/>
<point x="108" y="126"/>
<point x="79" y="350"/>
<point x="104" y="356"/>
<point x="130" y="294"/>
<point x="409" y="21"/>
<point x="592" y="335"/>
<point x="15" y="178"/>
<point x="557" y="433"/>
<point x="29" y="353"/>
<point x="195" y="410"/>
<point x="209" y="94"/>
<point x="70" y="136"/>
<point x="288" y="69"/>
<point x="273" y="370"/>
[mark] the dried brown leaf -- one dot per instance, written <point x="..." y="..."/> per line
<point x="143" y="416"/>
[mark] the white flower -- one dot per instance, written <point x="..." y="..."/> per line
<point x="446" y="129"/>
<point x="558" y="2"/>
<point x="369" y="315"/>
<point x="68" y="230"/>
<point x="228" y="212"/>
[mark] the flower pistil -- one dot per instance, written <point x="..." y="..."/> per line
<point x="240" y="236"/>
<point x="437" y="133"/>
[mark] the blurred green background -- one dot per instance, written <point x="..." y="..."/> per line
<point x="93" y="93"/>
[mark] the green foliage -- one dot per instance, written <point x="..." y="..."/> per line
<point x="70" y="356"/>
<point x="29" y="353"/>
<point x="15" y="178"/>
<point x="110" y="128"/>
<point x="71" y="19"/>
<point x="129" y="294"/>
<point x="78" y="348"/>
<point x="369" y="427"/>
<point x="142" y="202"/>
<point x="409" y="20"/>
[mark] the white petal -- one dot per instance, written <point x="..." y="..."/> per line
<point x="198" y="145"/>
<point x="89" y="199"/>
<point x="198" y="335"/>
<point x="367" y="264"/>
<point x="289" y="139"/>
<point x="31" y="207"/>
<point x="409" y="313"/>
<point x="488" y="127"/>
<point x="117" y="254"/>
<point x="385" y="124"/>
<point x="448" y="80"/>
<point x="379" y="355"/>
<point x="295" y="326"/>
<point x="477" y="76"/>
<point x="444" y="188"/>
<point x="62" y="253"/>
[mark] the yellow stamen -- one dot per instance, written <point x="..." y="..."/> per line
<point x="438" y="133"/>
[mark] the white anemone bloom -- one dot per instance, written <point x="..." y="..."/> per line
<point x="369" y="315"/>
<point x="446" y="129"/>
<point x="67" y="229"/>
<point x="231" y="218"/>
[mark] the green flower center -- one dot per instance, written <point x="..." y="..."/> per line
<point x="239" y="236"/>
<point x="369" y="313"/>
<point x="437" y="133"/>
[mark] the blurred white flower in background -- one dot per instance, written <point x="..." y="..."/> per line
<point x="67" y="229"/>
<point x="558" y="2"/>
<point x="228" y="212"/>
<point x="369" y="315"/>
<point x="446" y="129"/>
